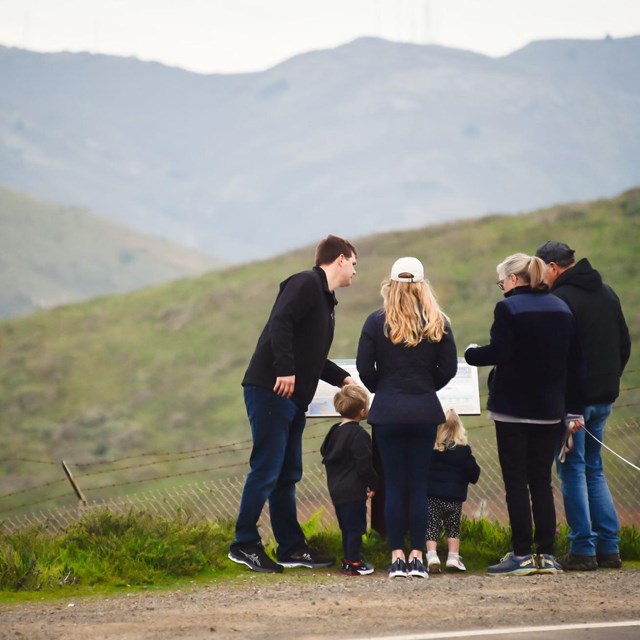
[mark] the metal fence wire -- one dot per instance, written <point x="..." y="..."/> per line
<point x="219" y="499"/>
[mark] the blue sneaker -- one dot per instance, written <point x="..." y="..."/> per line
<point x="512" y="565"/>
<point x="398" y="569"/>
<point x="548" y="564"/>
<point x="416" y="569"/>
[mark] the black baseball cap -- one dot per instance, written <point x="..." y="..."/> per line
<point x="558" y="252"/>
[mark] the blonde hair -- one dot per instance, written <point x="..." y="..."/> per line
<point x="412" y="313"/>
<point x="451" y="433"/>
<point x="530" y="268"/>
<point x="351" y="400"/>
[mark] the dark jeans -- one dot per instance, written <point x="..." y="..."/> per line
<point x="405" y="451"/>
<point x="276" y="465"/>
<point x="526" y="453"/>
<point x="352" y="518"/>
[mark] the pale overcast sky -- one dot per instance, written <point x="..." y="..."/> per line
<point x="230" y="36"/>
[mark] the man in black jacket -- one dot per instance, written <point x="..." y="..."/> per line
<point x="606" y="346"/>
<point x="280" y="382"/>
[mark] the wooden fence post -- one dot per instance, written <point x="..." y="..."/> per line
<point x="74" y="484"/>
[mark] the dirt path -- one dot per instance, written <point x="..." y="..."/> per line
<point x="306" y="605"/>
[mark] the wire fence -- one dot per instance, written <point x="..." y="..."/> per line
<point x="219" y="499"/>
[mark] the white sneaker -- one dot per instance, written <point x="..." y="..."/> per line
<point x="456" y="564"/>
<point x="433" y="564"/>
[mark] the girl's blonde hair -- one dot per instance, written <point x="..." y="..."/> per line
<point x="412" y="313"/>
<point x="530" y="268"/>
<point x="451" y="433"/>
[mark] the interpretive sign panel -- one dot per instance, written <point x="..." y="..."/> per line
<point x="461" y="393"/>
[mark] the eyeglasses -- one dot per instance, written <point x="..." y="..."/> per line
<point x="500" y="284"/>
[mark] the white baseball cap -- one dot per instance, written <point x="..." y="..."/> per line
<point x="407" y="270"/>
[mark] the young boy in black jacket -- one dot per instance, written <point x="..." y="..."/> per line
<point x="346" y="453"/>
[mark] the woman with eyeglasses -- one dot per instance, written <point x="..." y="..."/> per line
<point x="535" y="382"/>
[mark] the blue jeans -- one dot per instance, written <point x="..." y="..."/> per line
<point x="352" y="518"/>
<point x="591" y="514"/>
<point x="276" y="466"/>
<point x="405" y="451"/>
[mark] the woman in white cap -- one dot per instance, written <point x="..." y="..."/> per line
<point x="406" y="353"/>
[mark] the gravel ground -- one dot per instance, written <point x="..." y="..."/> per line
<point x="308" y="605"/>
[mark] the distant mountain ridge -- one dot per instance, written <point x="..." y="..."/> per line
<point x="367" y="137"/>
<point x="52" y="255"/>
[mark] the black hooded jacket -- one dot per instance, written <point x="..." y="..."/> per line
<point x="602" y="330"/>
<point x="346" y="453"/>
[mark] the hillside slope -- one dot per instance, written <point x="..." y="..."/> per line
<point x="54" y="255"/>
<point x="159" y="370"/>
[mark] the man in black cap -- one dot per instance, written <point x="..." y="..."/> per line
<point x="606" y="347"/>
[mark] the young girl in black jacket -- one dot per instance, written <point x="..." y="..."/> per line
<point x="453" y="467"/>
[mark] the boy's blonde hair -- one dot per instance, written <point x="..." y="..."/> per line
<point x="351" y="400"/>
<point x="451" y="433"/>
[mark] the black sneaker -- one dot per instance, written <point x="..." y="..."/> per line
<point x="254" y="557"/>
<point x="360" y="568"/>
<point x="416" y="569"/>
<point x="577" y="562"/>
<point x="609" y="560"/>
<point x="305" y="557"/>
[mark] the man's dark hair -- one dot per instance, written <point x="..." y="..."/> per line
<point x="331" y="248"/>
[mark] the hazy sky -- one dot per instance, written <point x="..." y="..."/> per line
<point x="248" y="35"/>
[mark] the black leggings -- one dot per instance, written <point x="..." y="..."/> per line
<point x="526" y="453"/>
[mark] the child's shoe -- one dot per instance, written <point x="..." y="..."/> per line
<point x="454" y="562"/>
<point x="433" y="562"/>
<point x="359" y="568"/>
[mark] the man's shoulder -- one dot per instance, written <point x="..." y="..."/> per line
<point x="302" y="282"/>
<point x="309" y="275"/>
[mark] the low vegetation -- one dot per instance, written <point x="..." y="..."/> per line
<point x="141" y="549"/>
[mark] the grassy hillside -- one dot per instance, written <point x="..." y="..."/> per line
<point x="159" y="370"/>
<point x="53" y="255"/>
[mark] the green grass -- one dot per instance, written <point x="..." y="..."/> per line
<point x="54" y="254"/>
<point x="104" y="552"/>
<point x="159" y="369"/>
